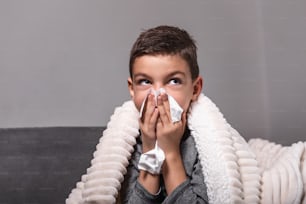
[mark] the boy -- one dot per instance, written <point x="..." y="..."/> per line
<point x="196" y="158"/>
<point x="165" y="57"/>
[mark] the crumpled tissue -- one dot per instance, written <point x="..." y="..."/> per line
<point x="175" y="109"/>
<point x="152" y="160"/>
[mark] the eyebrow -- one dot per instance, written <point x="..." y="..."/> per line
<point x="140" y="75"/>
<point x="167" y="76"/>
<point x="175" y="73"/>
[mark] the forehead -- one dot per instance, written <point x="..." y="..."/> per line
<point x="161" y="64"/>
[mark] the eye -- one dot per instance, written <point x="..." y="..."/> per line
<point x="175" y="81"/>
<point x="143" y="82"/>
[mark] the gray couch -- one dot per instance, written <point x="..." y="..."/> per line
<point x="42" y="165"/>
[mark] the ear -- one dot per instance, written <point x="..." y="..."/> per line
<point x="130" y="86"/>
<point x="197" y="88"/>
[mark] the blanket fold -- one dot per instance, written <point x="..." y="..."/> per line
<point x="234" y="171"/>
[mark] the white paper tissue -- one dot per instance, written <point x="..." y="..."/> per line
<point x="152" y="160"/>
<point x="175" y="109"/>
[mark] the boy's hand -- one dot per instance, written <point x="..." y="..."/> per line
<point x="169" y="137"/>
<point x="168" y="134"/>
<point x="148" y="124"/>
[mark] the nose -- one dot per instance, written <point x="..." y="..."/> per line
<point x="157" y="86"/>
<point x="158" y="91"/>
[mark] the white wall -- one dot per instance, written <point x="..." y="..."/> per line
<point x="65" y="63"/>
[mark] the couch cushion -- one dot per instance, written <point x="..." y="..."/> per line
<point x="42" y="165"/>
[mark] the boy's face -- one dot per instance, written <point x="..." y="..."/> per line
<point x="170" y="72"/>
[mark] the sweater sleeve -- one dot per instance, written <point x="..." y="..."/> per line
<point x="193" y="190"/>
<point x="132" y="192"/>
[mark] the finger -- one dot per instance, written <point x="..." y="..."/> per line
<point x="153" y="119"/>
<point x="184" y="118"/>
<point x="143" y="109"/>
<point x="149" y="109"/>
<point x="162" y="111"/>
<point x="159" y="123"/>
<point x="166" y="104"/>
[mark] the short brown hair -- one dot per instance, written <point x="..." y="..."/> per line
<point x="166" y="40"/>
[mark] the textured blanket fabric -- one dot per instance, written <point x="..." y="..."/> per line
<point x="235" y="171"/>
<point x="283" y="171"/>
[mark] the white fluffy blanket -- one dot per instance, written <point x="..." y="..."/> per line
<point x="235" y="171"/>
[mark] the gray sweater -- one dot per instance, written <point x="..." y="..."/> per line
<point x="192" y="191"/>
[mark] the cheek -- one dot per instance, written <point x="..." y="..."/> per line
<point x="138" y="99"/>
<point x="184" y="104"/>
<point x="183" y="101"/>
